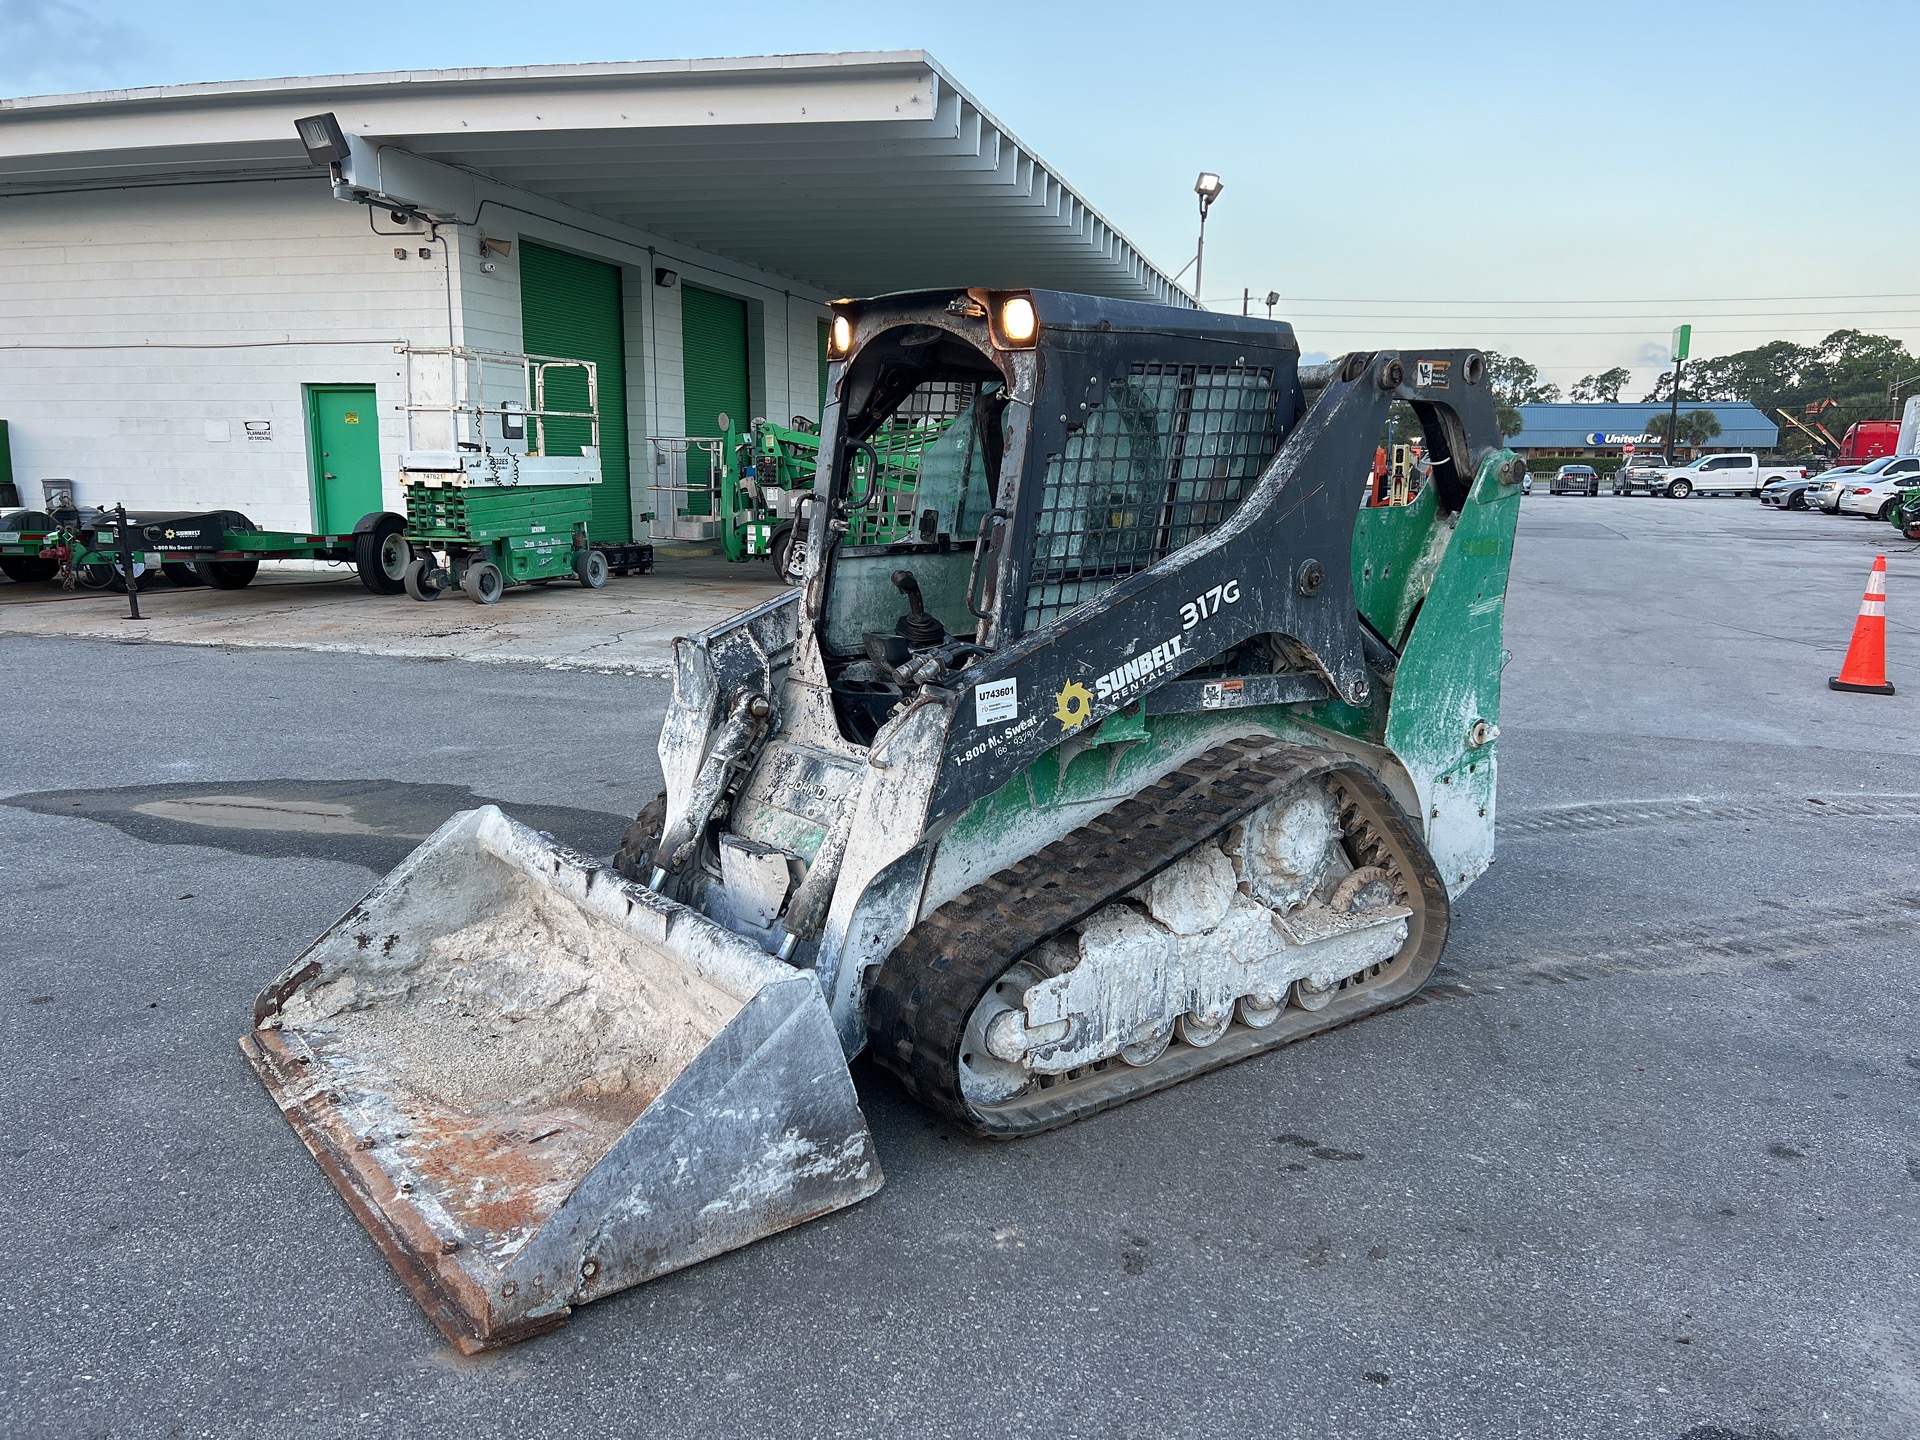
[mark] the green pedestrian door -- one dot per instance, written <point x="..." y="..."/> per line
<point x="713" y="331"/>
<point x="570" y="310"/>
<point x="343" y="441"/>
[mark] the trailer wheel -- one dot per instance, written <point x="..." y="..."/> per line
<point x="422" y="580"/>
<point x="226" y="574"/>
<point x="483" y="582"/>
<point x="381" y="553"/>
<point x="591" y="567"/>
<point x="180" y="572"/>
<point x="28" y="569"/>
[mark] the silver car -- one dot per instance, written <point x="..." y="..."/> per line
<point x="1824" y="493"/>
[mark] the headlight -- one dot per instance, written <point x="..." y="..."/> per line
<point x="840" y="340"/>
<point x="1018" y="322"/>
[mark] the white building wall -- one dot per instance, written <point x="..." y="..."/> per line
<point x="143" y="329"/>
<point x="142" y="324"/>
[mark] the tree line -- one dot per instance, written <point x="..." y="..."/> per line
<point x="1845" y="378"/>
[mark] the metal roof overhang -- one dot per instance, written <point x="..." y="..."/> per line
<point x="853" y="174"/>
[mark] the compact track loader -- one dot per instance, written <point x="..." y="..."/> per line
<point x="1111" y="738"/>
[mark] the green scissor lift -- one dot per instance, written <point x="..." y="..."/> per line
<point x="493" y="498"/>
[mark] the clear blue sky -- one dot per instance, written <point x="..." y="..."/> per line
<point x="1561" y="181"/>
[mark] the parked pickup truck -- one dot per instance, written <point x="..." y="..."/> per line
<point x="1643" y="472"/>
<point x="1738" y="474"/>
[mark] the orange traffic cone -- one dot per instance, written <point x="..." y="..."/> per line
<point x="1865" y="668"/>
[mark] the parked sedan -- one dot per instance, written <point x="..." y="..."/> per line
<point x="1575" y="480"/>
<point x="1789" y="492"/>
<point x="1876" y="489"/>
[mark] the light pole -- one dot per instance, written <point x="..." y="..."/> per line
<point x="1208" y="188"/>
<point x="1273" y="299"/>
<point x="1682" y="342"/>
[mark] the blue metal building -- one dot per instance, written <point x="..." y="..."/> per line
<point x="1604" y="429"/>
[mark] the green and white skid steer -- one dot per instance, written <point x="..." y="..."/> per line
<point x="1133" y="744"/>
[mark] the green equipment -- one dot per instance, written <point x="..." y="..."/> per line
<point x="501" y="457"/>
<point x="1906" y="513"/>
<point x="503" y="452"/>
<point x="766" y="475"/>
<point x="767" y="478"/>
<point x="218" y="548"/>
<point x="495" y="536"/>
<point x="1110" y="739"/>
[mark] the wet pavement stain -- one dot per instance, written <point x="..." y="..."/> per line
<point x="373" y="823"/>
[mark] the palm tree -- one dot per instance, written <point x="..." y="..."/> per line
<point x="1696" y="427"/>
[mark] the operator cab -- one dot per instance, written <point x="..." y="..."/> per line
<point x="960" y="513"/>
<point x="919" y="448"/>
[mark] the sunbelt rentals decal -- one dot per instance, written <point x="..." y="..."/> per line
<point x="1143" y="666"/>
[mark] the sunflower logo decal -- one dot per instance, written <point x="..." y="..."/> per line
<point x="1073" y="706"/>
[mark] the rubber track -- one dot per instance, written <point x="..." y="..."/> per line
<point x="928" y="986"/>
<point x="634" y="858"/>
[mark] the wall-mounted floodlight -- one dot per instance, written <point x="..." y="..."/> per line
<point x="326" y="142"/>
<point x="666" y="279"/>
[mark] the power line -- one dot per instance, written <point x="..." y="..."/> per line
<point x="1375" y="325"/>
<point x="1682" y="301"/>
<point x="1661" y="315"/>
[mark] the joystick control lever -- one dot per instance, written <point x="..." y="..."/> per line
<point x="921" y="630"/>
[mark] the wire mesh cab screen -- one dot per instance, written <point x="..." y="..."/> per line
<point x="1163" y="459"/>
<point x="924" y="457"/>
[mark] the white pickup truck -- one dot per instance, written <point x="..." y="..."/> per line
<point x="1736" y="474"/>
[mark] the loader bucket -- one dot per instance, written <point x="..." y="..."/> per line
<point x="536" y="1083"/>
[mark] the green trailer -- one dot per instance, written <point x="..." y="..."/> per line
<point x="217" y="548"/>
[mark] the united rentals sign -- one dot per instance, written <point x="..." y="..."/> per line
<point x="1616" y="437"/>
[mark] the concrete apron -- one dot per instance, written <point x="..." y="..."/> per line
<point x="628" y="626"/>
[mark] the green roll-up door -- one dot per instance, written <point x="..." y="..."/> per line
<point x="570" y="308"/>
<point x="713" y="330"/>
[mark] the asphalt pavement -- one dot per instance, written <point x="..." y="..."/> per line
<point x="1643" y="1161"/>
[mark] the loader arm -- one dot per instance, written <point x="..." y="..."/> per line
<point x="1279" y="566"/>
